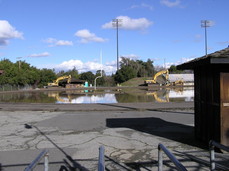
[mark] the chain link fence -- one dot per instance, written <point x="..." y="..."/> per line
<point x="14" y="87"/>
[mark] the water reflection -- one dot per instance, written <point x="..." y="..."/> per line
<point x="173" y="95"/>
<point x="102" y="96"/>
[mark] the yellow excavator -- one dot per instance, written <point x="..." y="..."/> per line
<point x="55" y="83"/>
<point x="160" y="78"/>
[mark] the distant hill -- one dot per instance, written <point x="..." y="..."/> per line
<point x="135" y="81"/>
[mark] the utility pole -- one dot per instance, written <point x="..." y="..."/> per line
<point x="205" y="24"/>
<point x="101" y="70"/>
<point x="19" y="63"/>
<point x="117" y="23"/>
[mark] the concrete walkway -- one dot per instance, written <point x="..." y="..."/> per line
<point x="129" y="132"/>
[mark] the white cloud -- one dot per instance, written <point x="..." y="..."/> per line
<point x="129" y="23"/>
<point x="109" y="68"/>
<point x="54" y="42"/>
<point x="171" y="3"/>
<point x="67" y="65"/>
<point x="181" y="61"/>
<point x="142" y="5"/>
<point x="36" y="55"/>
<point x="8" y="32"/>
<point x="64" y="43"/>
<point x="86" y="36"/>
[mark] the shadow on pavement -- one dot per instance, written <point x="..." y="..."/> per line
<point x="156" y="126"/>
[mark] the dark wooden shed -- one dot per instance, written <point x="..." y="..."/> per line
<point x="211" y="82"/>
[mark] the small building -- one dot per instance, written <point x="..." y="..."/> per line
<point x="211" y="84"/>
<point x="187" y="78"/>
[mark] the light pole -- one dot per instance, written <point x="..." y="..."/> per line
<point x="19" y="63"/>
<point x="205" y="24"/>
<point x="117" y="23"/>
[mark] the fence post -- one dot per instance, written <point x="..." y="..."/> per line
<point x="46" y="163"/>
<point x="101" y="164"/>
<point x="212" y="157"/>
<point x="160" y="159"/>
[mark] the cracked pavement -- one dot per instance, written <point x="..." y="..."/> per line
<point x="128" y="136"/>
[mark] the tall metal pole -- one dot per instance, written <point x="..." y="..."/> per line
<point x="117" y="23"/>
<point x="205" y="24"/>
<point x="206" y="41"/>
<point x="117" y="45"/>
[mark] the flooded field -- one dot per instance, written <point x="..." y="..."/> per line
<point x="127" y="95"/>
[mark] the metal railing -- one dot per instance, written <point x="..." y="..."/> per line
<point x="34" y="163"/>
<point x="212" y="145"/>
<point x="178" y="165"/>
<point x="101" y="163"/>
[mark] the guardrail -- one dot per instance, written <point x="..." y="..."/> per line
<point x="212" y="145"/>
<point x="34" y="163"/>
<point x="178" y="165"/>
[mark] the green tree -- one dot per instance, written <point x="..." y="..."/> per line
<point x="46" y="76"/>
<point x="133" y="68"/>
<point x="149" y="68"/>
<point x="10" y="75"/>
<point x="87" y="76"/>
<point x="109" y="81"/>
<point x="74" y="73"/>
<point x="173" y="70"/>
<point x="100" y="81"/>
<point x="124" y="74"/>
<point x="21" y="73"/>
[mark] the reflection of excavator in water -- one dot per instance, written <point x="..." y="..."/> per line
<point x="159" y="99"/>
<point x="162" y="95"/>
<point x="162" y="78"/>
<point x="55" y="83"/>
<point x="57" y="96"/>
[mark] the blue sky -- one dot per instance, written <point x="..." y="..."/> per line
<point x="63" y="34"/>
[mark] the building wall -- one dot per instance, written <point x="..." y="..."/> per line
<point x="207" y="102"/>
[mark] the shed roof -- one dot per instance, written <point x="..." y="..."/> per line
<point x="218" y="57"/>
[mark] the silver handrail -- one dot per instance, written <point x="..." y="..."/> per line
<point x="178" y="165"/>
<point x="212" y="145"/>
<point x="34" y="163"/>
<point x="101" y="163"/>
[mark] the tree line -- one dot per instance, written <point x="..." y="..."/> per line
<point x="22" y="74"/>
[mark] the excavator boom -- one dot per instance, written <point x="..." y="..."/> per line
<point x="55" y="83"/>
<point x="156" y="79"/>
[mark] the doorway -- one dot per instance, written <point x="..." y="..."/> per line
<point x="224" y="98"/>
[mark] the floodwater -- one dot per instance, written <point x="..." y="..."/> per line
<point x="130" y="95"/>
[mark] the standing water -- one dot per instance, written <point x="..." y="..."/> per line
<point x="127" y="95"/>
